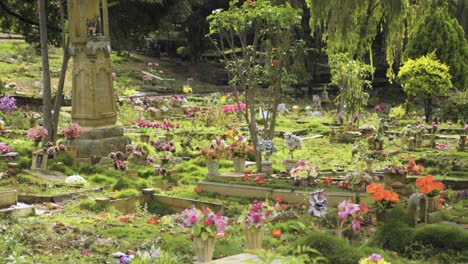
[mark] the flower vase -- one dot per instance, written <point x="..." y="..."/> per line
<point x="370" y="165"/>
<point x="254" y="238"/>
<point x="73" y="151"/>
<point x="213" y="168"/>
<point x="204" y="249"/>
<point x="267" y="168"/>
<point x="144" y="138"/>
<point x="239" y="165"/>
<point x="432" y="203"/>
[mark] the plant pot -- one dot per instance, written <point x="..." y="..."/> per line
<point x="390" y="178"/>
<point x="267" y="168"/>
<point x="213" y="168"/>
<point x="204" y="249"/>
<point x="254" y="238"/>
<point x="239" y="165"/>
<point x="288" y="164"/>
<point x="432" y="204"/>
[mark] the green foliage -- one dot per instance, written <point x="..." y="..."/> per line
<point x="127" y="193"/>
<point x="456" y="108"/>
<point x="25" y="162"/>
<point x="437" y="31"/>
<point x="442" y="237"/>
<point x="425" y="77"/>
<point x="398" y="112"/>
<point x="91" y="205"/>
<point x="102" y="179"/>
<point x="394" y="233"/>
<point x="350" y="76"/>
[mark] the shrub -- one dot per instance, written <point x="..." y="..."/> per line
<point x="127" y="193"/>
<point x="394" y="233"/>
<point x="456" y="107"/>
<point x="25" y="162"/>
<point x="442" y="237"/>
<point x="91" y="205"/>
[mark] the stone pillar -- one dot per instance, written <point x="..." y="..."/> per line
<point x="93" y="101"/>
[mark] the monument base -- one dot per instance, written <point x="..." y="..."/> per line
<point x="96" y="143"/>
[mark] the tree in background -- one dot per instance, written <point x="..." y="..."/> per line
<point x="425" y="77"/>
<point x="255" y="39"/>
<point x="437" y="31"/>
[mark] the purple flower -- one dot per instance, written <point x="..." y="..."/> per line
<point x="340" y="117"/>
<point x="375" y="257"/>
<point x="318" y="203"/>
<point x="7" y="104"/>
<point x="356" y="118"/>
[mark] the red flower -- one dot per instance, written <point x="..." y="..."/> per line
<point x="197" y="190"/>
<point x="116" y="191"/>
<point x="124" y="219"/>
<point x="86" y="253"/>
<point x="259" y="180"/>
<point x="364" y="208"/>
<point x="152" y="220"/>
<point x="275" y="63"/>
<point x="279" y="200"/>
<point x="250" y="2"/>
<point x="328" y="180"/>
<point x="246" y="177"/>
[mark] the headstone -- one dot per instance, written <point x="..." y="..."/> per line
<point x="93" y="102"/>
<point x="39" y="160"/>
<point x="417" y="208"/>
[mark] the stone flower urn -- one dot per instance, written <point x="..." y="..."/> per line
<point x="213" y="168"/>
<point x="204" y="249"/>
<point x="267" y="168"/>
<point x="288" y="164"/>
<point x="239" y="164"/>
<point x="254" y="238"/>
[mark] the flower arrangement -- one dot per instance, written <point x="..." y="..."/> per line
<point x="187" y="89"/>
<point x="302" y="170"/>
<point x="7" y="104"/>
<point x="256" y="216"/>
<point x="383" y="198"/>
<point x="292" y="142"/>
<point x="73" y="131"/>
<point x="238" y="147"/>
<point x="204" y="223"/>
<point x="267" y="146"/>
<point x="414" y="169"/>
<point x="349" y="213"/>
<point x="119" y="160"/>
<point x="215" y="150"/>
<point x="318" y="203"/>
<point x="373" y="259"/>
<point x="358" y="181"/>
<point x="227" y="109"/>
<point x="4" y="148"/>
<point x="37" y="133"/>
<point x="429" y="186"/>
<point x="367" y="128"/>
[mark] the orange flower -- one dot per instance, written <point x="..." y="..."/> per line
<point x="374" y="187"/>
<point x="276" y="233"/>
<point x="124" y="219"/>
<point x="378" y="196"/>
<point x="393" y="197"/>
<point x="250" y="2"/>
<point x="438" y="185"/>
<point x="152" y="220"/>
<point x="116" y="191"/>
<point x="410" y="156"/>
<point x="402" y="156"/>
<point x="197" y="190"/>
<point x="328" y="180"/>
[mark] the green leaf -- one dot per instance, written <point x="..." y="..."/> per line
<point x="204" y="236"/>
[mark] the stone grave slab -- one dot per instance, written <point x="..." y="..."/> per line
<point x="47" y="175"/>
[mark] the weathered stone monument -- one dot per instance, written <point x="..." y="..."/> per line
<point x="93" y="100"/>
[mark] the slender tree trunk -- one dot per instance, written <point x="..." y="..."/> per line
<point x="46" y="94"/>
<point x="428" y="108"/>
<point x="59" y="94"/>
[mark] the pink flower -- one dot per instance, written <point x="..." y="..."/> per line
<point x="356" y="224"/>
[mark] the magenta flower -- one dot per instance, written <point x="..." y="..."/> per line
<point x="347" y="210"/>
<point x="375" y="257"/>
<point x="356" y="224"/>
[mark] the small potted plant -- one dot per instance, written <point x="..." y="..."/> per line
<point x="253" y="221"/>
<point x="205" y="226"/>
<point x="291" y="142"/>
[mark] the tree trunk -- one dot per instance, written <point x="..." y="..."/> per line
<point x="46" y="94"/>
<point x="428" y="108"/>
<point x="59" y="94"/>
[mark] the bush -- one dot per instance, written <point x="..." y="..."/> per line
<point x="127" y="193"/>
<point x="442" y="237"/>
<point x="394" y="233"/>
<point x="456" y="107"/>
<point x="25" y="162"/>
<point x="91" y="205"/>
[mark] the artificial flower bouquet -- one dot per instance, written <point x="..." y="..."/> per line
<point x="73" y="131"/>
<point x="239" y="147"/>
<point x="215" y="150"/>
<point x="302" y="170"/>
<point x="383" y="198"/>
<point x="350" y="214"/>
<point x="292" y="142"/>
<point x="318" y="203"/>
<point x="267" y="146"/>
<point x="204" y="223"/>
<point x="257" y="215"/>
<point x="429" y="186"/>
<point x="37" y="133"/>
